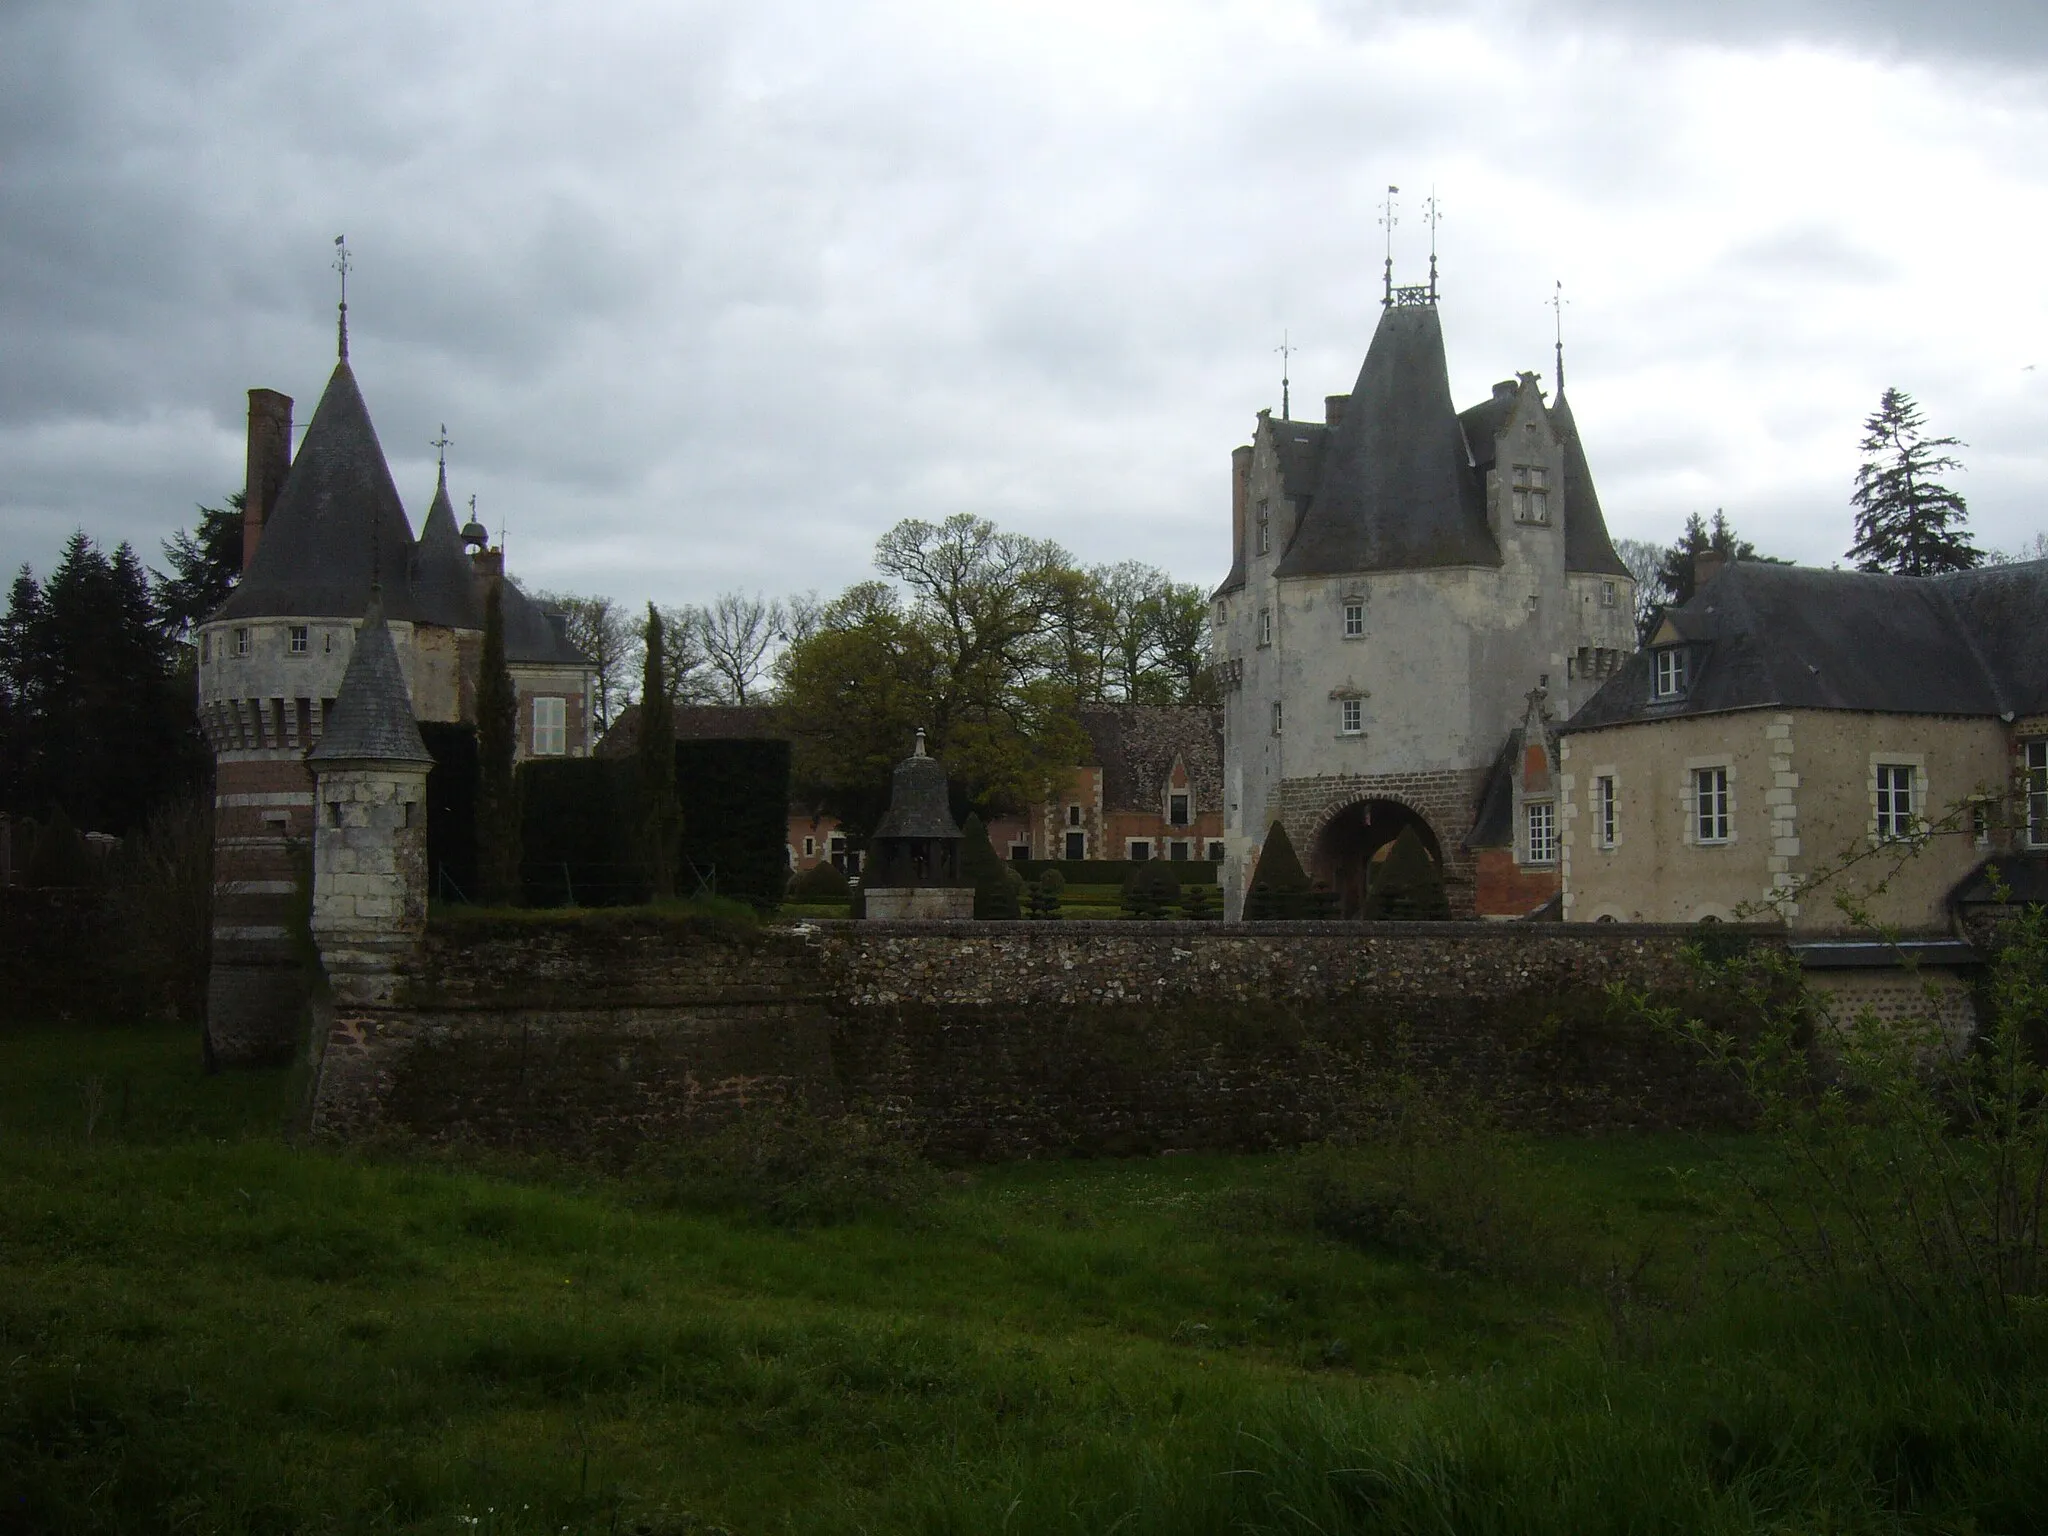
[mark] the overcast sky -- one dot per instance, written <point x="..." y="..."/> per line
<point x="711" y="295"/>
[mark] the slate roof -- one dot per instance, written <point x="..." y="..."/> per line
<point x="2024" y="876"/>
<point x="917" y="800"/>
<point x="1786" y="637"/>
<point x="315" y="559"/>
<point x="698" y="722"/>
<point x="532" y="636"/>
<point x="1135" y="745"/>
<point x="1397" y="490"/>
<point x="1586" y="544"/>
<point x="443" y="580"/>
<point x="1494" y="826"/>
<point x="372" y="715"/>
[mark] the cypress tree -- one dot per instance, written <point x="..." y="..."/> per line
<point x="1280" y="886"/>
<point x="661" y="818"/>
<point x="497" y="791"/>
<point x="995" y="899"/>
<point x="1407" y="886"/>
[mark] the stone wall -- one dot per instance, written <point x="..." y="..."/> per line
<point x="1005" y="1040"/>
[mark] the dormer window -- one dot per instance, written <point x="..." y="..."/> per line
<point x="1532" y="493"/>
<point x="1176" y="810"/>
<point x="1667" y="678"/>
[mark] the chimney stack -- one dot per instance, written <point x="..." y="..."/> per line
<point x="1706" y="565"/>
<point x="270" y="455"/>
<point x="1240" y="497"/>
<point x="1333" y="408"/>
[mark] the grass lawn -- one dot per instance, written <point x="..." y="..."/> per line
<point x="204" y="1327"/>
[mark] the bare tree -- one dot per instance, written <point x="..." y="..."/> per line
<point x="601" y="630"/>
<point x="2035" y="548"/>
<point x="736" y="634"/>
<point x="687" y="672"/>
<point x="1644" y="559"/>
<point x="802" y="615"/>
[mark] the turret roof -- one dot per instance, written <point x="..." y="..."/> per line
<point x="1586" y="544"/>
<point x="338" y="527"/>
<point x="444" y="583"/>
<point x="917" y="799"/>
<point x="372" y="718"/>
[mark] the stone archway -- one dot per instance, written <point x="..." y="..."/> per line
<point x="1353" y="837"/>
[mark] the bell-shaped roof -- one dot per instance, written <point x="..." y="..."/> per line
<point x="338" y="527"/>
<point x="1396" y="488"/>
<point x="917" y="799"/>
<point x="444" y="583"/>
<point x="372" y="718"/>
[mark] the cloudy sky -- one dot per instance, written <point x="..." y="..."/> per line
<point x="710" y="295"/>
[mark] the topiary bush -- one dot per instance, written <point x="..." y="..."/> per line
<point x="1280" y="886"/>
<point x="1406" y="885"/>
<point x="1152" y="892"/>
<point x="995" y="898"/>
<point x="821" y="883"/>
<point x="1045" y="896"/>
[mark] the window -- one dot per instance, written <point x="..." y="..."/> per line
<point x="1607" y="594"/>
<point x="1354" y="618"/>
<point x="299" y="647"/>
<point x="1894" y="801"/>
<point x="1276" y="717"/>
<point x="1352" y="715"/>
<point x="1073" y="815"/>
<point x="206" y="647"/>
<point x="241" y="642"/>
<point x="1265" y="626"/>
<point x="1710" y="804"/>
<point x="2037" y="793"/>
<point x="1265" y="528"/>
<point x="1531" y="493"/>
<point x="1138" y="850"/>
<point x="1605" y="813"/>
<point x="1668" y="680"/>
<point x="837" y="846"/>
<point x="1077" y="845"/>
<point x="1176" y="810"/>
<point x="1542" y="817"/>
<point x="1216" y="850"/>
<point x="1222" y="614"/>
<point x="1019" y="852"/>
<point x="1178" y="851"/>
<point x="810" y="847"/>
<point x="550" y="733"/>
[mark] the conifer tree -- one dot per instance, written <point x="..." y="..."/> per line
<point x="1045" y="896"/>
<point x="497" y="790"/>
<point x="661" y="818"/>
<point x="1280" y="887"/>
<point x="1907" y="521"/>
<point x="995" y="899"/>
<point x="1407" y="886"/>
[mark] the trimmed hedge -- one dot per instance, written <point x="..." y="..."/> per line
<point x="451" y="809"/>
<point x="1117" y="871"/>
<point x="735" y="800"/>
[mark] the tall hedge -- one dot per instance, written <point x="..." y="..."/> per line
<point x="497" y="789"/>
<point x="995" y="899"/>
<point x="451" y="809"/>
<point x="735" y="802"/>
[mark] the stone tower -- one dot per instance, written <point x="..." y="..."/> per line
<point x="1402" y="575"/>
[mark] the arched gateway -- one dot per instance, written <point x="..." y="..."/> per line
<point x="1353" y="837"/>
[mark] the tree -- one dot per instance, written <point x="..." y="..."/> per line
<point x="205" y="565"/>
<point x="686" y="671"/>
<point x="1407" y="886"/>
<point x="599" y="628"/>
<point x="995" y="898"/>
<point x="1280" y="887"/>
<point x="661" y="818"/>
<point x="1643" y="557"/>
<point x="100" y="718"/>
<point x="735" y="634"/>
<point x="2035" y="548"/>
<point x="497" y="790"/>
<point x="1176" y="620"/>
<point x="1676" y="572"/>
<point x="1907" y="521"/>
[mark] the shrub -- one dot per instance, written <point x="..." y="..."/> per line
<point x="1151" y="892"/>
<point x="822" y="882"/>
<point x="1045" y="896"/>
<point x="995" y="897"/>
<point x="1280" y="887"/>
<point x="1406" y="885"/>
<point x="1198" y="902"/>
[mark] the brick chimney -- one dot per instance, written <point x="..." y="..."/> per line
<point x="270" y="455"/>
<point x="1333" y="408"/>
<point x="1706" y="565"/>
<point x="1240" y="496"/>
<point x="489" y="566"/>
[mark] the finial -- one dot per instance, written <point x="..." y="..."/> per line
<point x="1387" y="222"/>
<point x="442" y="443"/>
<point x="1557" y="303"/>
<point x="1286" y="407"/>
<point x="920" y="742"/>
<point x="1435" y="217"/>
<point x="341" y="266"/>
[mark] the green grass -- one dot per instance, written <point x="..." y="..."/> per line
<point x="204" y="1327"/>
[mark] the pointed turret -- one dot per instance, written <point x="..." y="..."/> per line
<point x="1587" y="546"/>
<point x="372" y="718"/>
<point x="338" y="527"/>
<point x="1397" y="489"/>
<point x="444" y="585"/>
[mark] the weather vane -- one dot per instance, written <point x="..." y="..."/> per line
<point x="1387" y="222"/>
<point x="442" y="443"/>
<point x="1285" y="351"/>
<point x="1557" y="304"/>
<point x="341" y="265"/>
<point x="1435" y="213"/>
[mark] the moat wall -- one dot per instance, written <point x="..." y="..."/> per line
<point x="989" y="1040"/>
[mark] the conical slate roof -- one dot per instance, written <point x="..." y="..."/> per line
<point x="1397" y="489"/>
<point x="917" y="799"/>
<point x="372" y="715"/>
<point x="338" y="526"/>
<point x="444" y="585"/>
<point x="1586" y="544"/>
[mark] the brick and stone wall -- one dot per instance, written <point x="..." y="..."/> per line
<point x="1007" y="1040"/>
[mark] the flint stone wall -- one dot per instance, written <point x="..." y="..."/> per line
<point x="990" y="1040"/>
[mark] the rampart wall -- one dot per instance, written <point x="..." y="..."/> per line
<point x="991" y="1040"/>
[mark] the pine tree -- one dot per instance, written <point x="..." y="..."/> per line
<point x="1407" y="886"/>
<point x="497" y="791"/>
<point x="661" y="818"/>
<point x="1907" y="521"/>
<point x="205" y="564"/>
<point x="1677" y="574"/>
